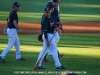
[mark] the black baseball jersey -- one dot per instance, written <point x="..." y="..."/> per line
<point x="53" y="19"/>
<point x="46" y="26"/>
<point x="55" y="15"/>
<point x="12" y="16"/>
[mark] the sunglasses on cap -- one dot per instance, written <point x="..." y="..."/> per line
<point x="47" y="11"/>
<point x="57" y="2"/>
<point x="17" y="5"/>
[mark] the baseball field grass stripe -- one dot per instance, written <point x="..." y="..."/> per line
<point x="81" y="53"/>
<point x="78" y="10"/>
<point x="36" y="17"/>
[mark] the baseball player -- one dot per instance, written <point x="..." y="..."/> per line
<point x="47" y="27"/>
<point x="11" y="30"/>
<point x="56" y="18"/>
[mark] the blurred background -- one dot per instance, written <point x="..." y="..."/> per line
<point x="78" y="16"/>
<point x="80" y="41"/>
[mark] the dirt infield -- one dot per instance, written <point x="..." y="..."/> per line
<point x="69" y="27"/>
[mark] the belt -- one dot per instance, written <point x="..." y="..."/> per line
<point x="11" y="28"/>
<point x="49" y="33"/>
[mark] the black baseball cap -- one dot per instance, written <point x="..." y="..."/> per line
<point x="16" y="4"/>
<point x="50" y="5"/>
<point x="55" y="0"/>
<point x="47" y="9"/>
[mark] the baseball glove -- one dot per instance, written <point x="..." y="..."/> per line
<point x="40" y="38"/>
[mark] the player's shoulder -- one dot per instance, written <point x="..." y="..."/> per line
<point x="44" y="18"/>
<point x="55" y="9"/>
<point x="12" y="12"/>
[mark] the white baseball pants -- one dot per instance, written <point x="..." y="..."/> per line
<point x="12" y="41"/>
<point x="56" y="36"/>
<point x="52" y="48"/>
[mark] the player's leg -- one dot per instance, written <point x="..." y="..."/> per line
<point x="45" y="56"/>
<point x="17" y="48"/>
<point x="45" y="59"/>
<point x="54" y="52"/>
<point x="57" y="38"/>
<point x="8" y="48"/>
<point x="60" y="55"/>
<point x="42" y="53"/>
<point x="11" y="42"/>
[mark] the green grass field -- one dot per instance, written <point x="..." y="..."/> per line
<point x="81" y="53"/>
<point x="71" y="10"/>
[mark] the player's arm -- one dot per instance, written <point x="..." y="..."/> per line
<point x="15" y="24"/>
<point x="56" y="27"/>
<point x="5" y="30"/>
<point x="44" y="30"/>
<point x="14" y="18"/>
<point x="59" y="22"/>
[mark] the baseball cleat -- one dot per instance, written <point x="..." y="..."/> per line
<point x="2" y="60"/>
<point x="45" y="60"/>
<point x="40" y="67"/>
<point x="21" y="59"/>
<point x="60" y="55"/>
<point x="61" y="67"/>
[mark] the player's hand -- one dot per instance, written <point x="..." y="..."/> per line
<point x="60" y="23"/>
<point x="47" y="42"/>
<point x="5" y="31"/>
<point x="57" y="29"/>
<point x="61" y="28"/>
<point x="19" y="30"/>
